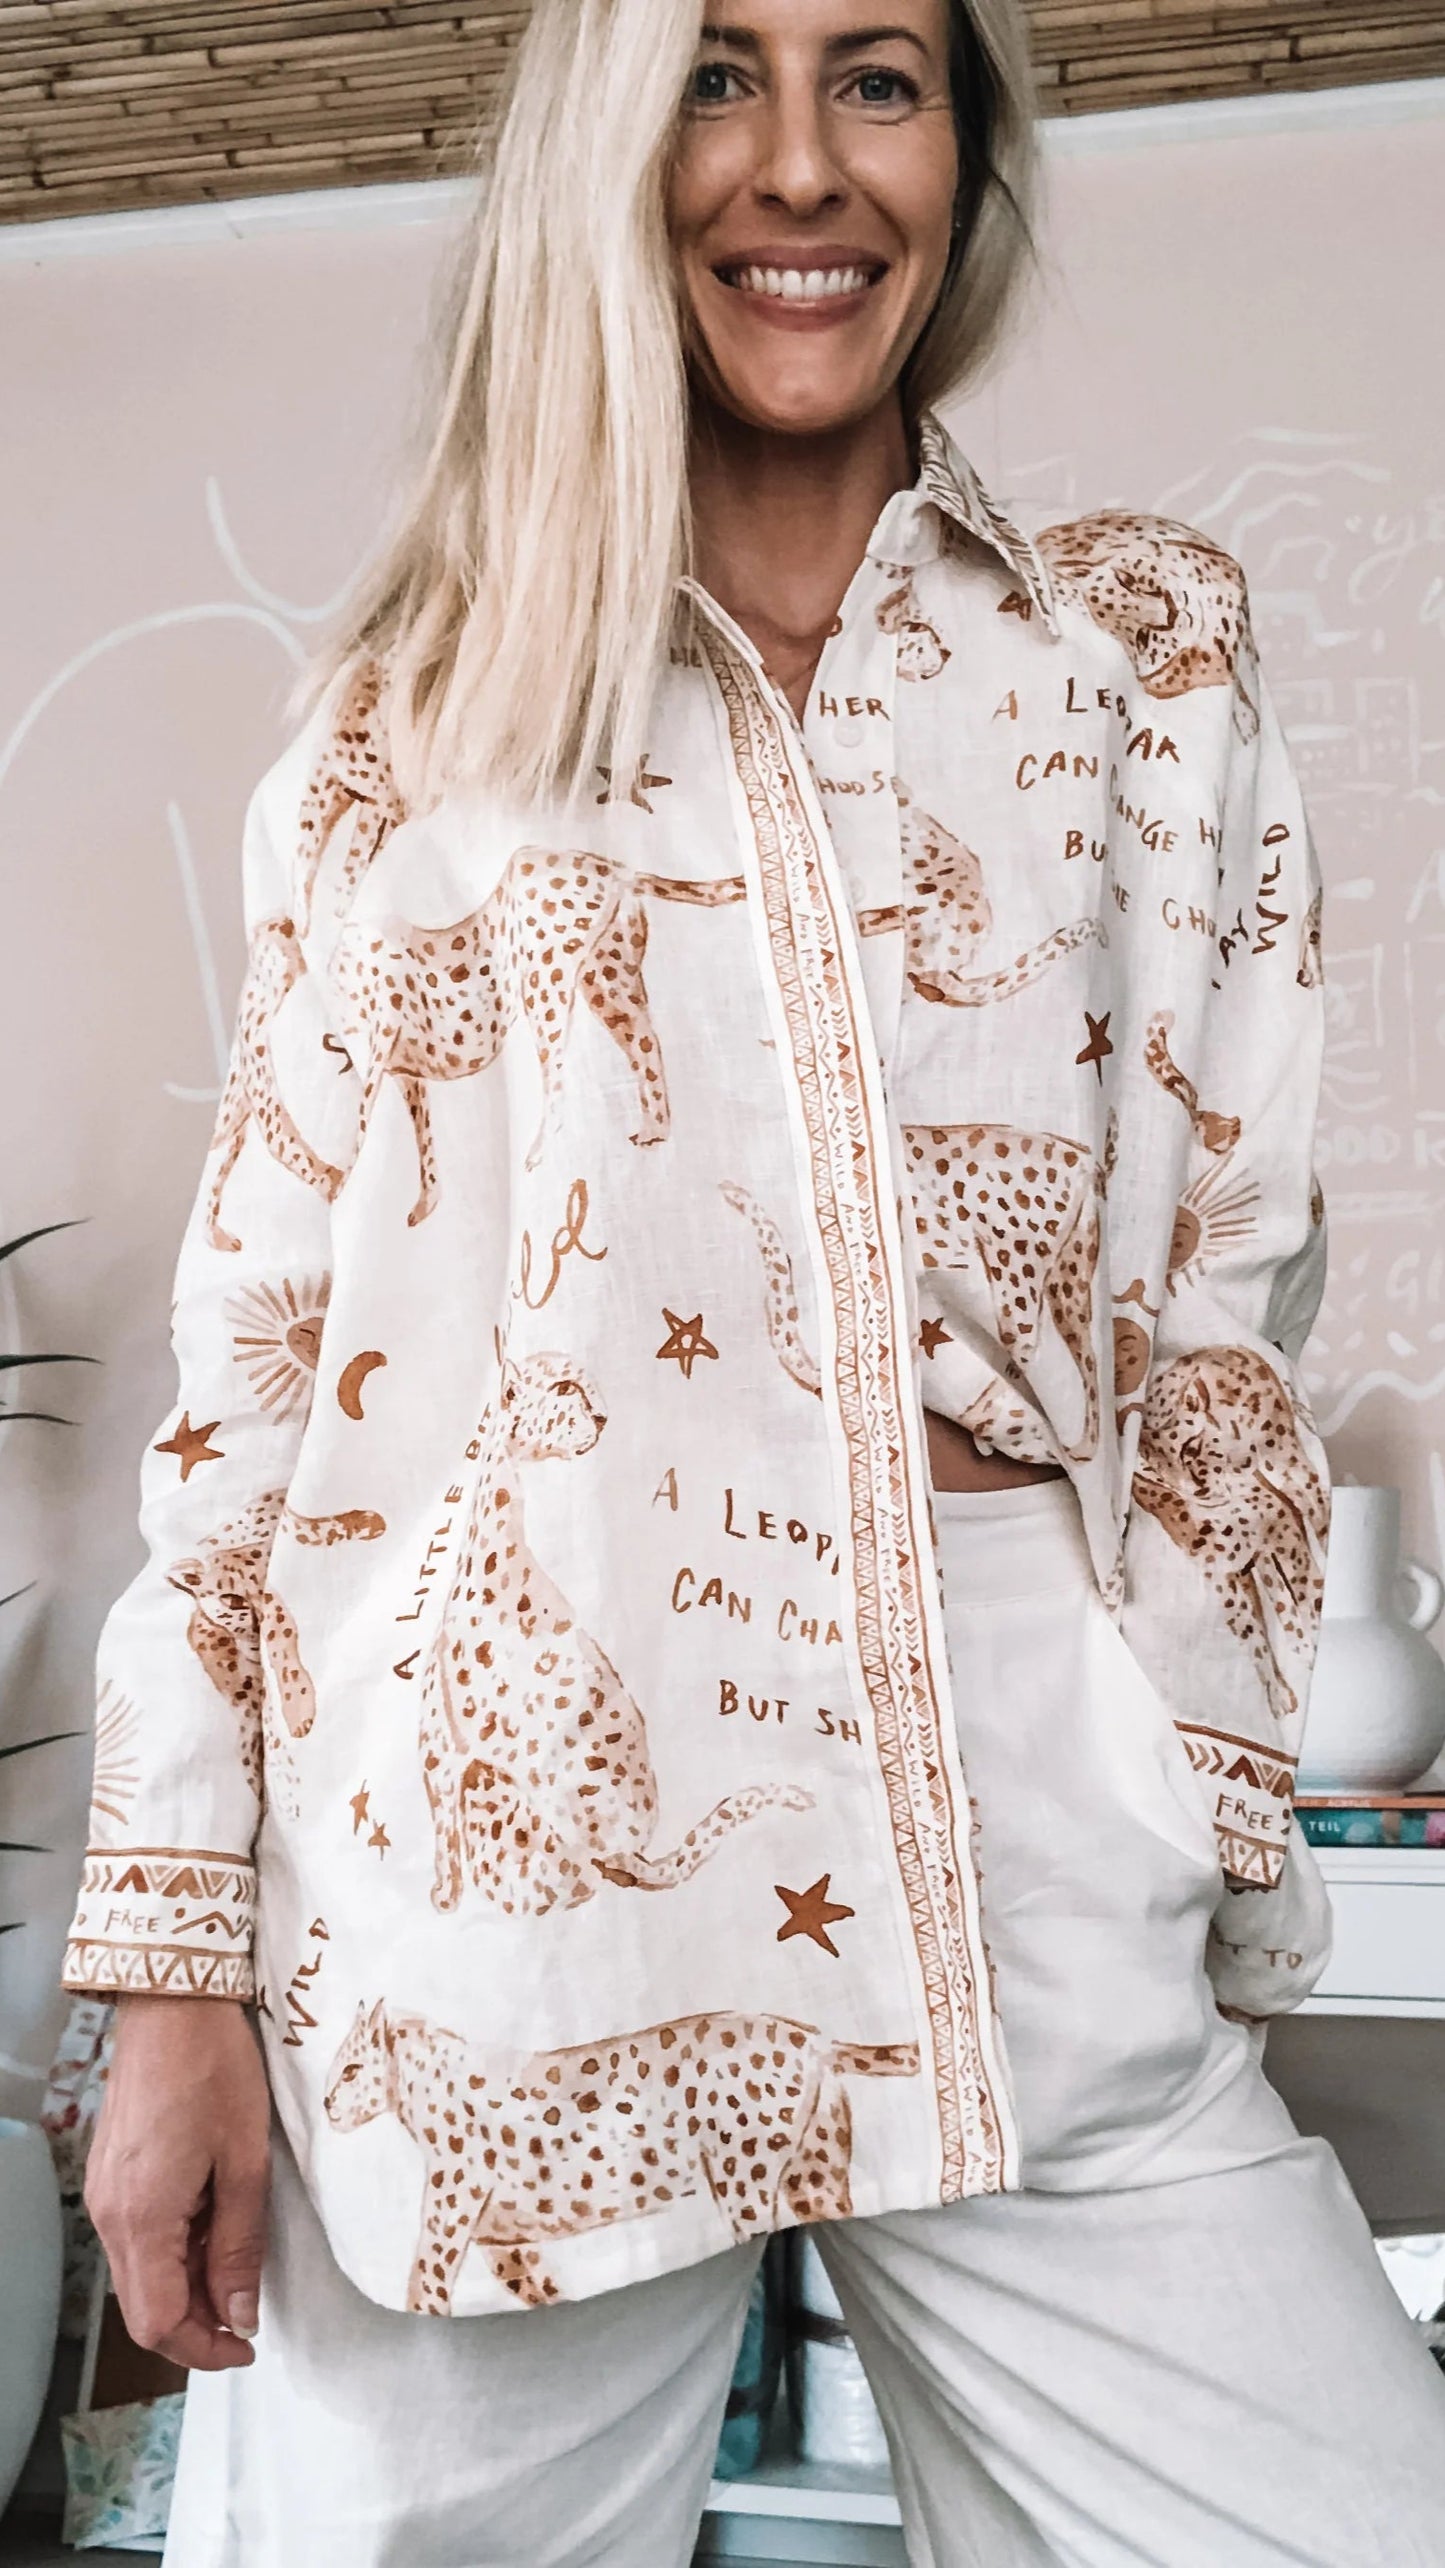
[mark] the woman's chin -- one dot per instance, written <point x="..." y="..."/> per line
<point x="800" y="409"/>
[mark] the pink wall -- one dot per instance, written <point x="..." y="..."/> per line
<point x="200" y="414"/>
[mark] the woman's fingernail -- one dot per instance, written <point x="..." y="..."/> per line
<point x="241" y="2313"/>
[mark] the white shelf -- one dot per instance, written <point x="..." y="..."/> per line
<point x="1389" y="1951"/>
<point x="1394" y="1864"/>
<point x="817" y="2492"/>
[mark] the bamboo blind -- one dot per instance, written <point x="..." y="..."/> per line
<point x="170" y="101"/>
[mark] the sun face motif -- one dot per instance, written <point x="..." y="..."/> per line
<point x="116" y="1773"/>
<point x="1212" y="1215"/>
<point x="276" y="1339"/>
<point x="1131" y="1356"/>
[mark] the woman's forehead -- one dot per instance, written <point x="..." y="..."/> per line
<point x="753" y="26"/>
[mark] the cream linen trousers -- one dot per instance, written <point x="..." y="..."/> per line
<point x="1174" y="2347"/>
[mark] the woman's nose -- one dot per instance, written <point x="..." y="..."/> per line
<point x="797" y="168"/>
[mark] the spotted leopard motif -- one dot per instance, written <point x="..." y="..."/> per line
<point x="749" y="2111"/>
<point x="1224" y="1468"/>
<point x="1176" y="602"/>
<point x="351" y="779"/>
<point x="780" y="1292"/>
<point x="946" y="916"/>
<point x="560" y="939"/>
<point x="1216" y="1133"/>
<point x="1026" y="1206"/>
<point x="251" y="1100"/>
<point x="534" y="1754"/>
<point x="240" y="1628"/>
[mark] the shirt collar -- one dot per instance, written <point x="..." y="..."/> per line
<point x="906" y="531"/>
<point x="947" y="482"/>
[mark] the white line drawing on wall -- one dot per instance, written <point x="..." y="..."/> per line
<point x="275" y="616"/>
<point x="205" y="965"/>
<point x="246" y="580"/>
<point x="116" y="639"/>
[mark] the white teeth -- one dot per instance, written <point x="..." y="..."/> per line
<point x="802" y="285"/>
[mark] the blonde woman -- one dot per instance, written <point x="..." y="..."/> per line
<point x="733" y="1576"/>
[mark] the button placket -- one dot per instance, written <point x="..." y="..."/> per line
<point x="848" y="735"/>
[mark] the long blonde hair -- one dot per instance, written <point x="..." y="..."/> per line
<point x="521" y="601"/>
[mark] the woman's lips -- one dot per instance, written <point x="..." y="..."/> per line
<point x="794" y="295"/>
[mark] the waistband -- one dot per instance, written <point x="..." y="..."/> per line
<point x="1010" y="1542"/>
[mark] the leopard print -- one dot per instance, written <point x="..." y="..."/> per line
<point x="1027" y="1205"/>
<point x="534" y="1754"/>
<point x="1217" y="1133"/>
<point x="784" y="1337"/>
<point x="999" y="1422"/>
<point x="438" y="1003"/>
<point x="922" y="651"/>
<point x="1222" y="1466"/>
<point x="352" y="775"/>
<point x="946" y="913"/>
<point x="250" y="1096"/>
<point x="748" y="2110"/>
<point x="1311" y="969"/>
<point x="240" y="1627"/>
<point x="1176" y="602"/>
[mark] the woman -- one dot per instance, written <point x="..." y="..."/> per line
<point x="749" y="1722"/>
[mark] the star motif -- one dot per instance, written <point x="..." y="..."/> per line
<point x="933" y="1335"/>
<point x="1098" y="1043"/>
<point x="379" y="1838"/>
<point x="687" y="1342"/>
<point x="811" y="1912"/>
<point x="640" y="785"/>
<point x="359" y="1810"/>
<point x="192" y="1444"/>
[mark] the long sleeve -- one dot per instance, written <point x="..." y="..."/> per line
<point x="184" y="1692"/>
<point x="1225" y="1536"/>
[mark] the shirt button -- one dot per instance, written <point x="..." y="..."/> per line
<point x="848" y="732"/>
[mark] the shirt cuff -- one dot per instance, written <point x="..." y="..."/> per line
<point x="165" y="1920"/>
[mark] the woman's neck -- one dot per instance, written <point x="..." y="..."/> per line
<point x="780" y="525"/>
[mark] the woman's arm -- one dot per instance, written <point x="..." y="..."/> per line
<point x="1225" y="1536"/>
<point x="177" y="2172"/>
<point x="167" y="1894"/>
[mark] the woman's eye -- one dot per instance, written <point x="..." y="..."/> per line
<point x="709" y="85"/>
<point x="885" y="88"/>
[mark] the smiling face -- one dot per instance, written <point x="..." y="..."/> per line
<point x="811" y="203"/>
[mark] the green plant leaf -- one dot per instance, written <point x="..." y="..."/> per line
<point x="22" y="1747"/>
<point x="9" y="1246"/>
<point x="9" y="1362"/>
<point x="17" y="1846"/>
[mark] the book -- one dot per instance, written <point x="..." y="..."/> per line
<point x="1371" y="1818"/>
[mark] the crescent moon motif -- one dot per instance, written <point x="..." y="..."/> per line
<point x="348" y="1389"/>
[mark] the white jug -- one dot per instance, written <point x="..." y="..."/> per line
<point x="1376" y="1712"/>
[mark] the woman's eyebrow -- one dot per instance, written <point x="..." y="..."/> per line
<point x="746" y="40"/>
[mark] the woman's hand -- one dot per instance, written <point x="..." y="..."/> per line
<point x="177" y="2174"/>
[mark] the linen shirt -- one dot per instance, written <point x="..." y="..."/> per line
<point x="535" y="1696"/>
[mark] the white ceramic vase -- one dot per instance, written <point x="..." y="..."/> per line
<point x="30" y="2267"/>
<point x="1376" y="1712"/>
